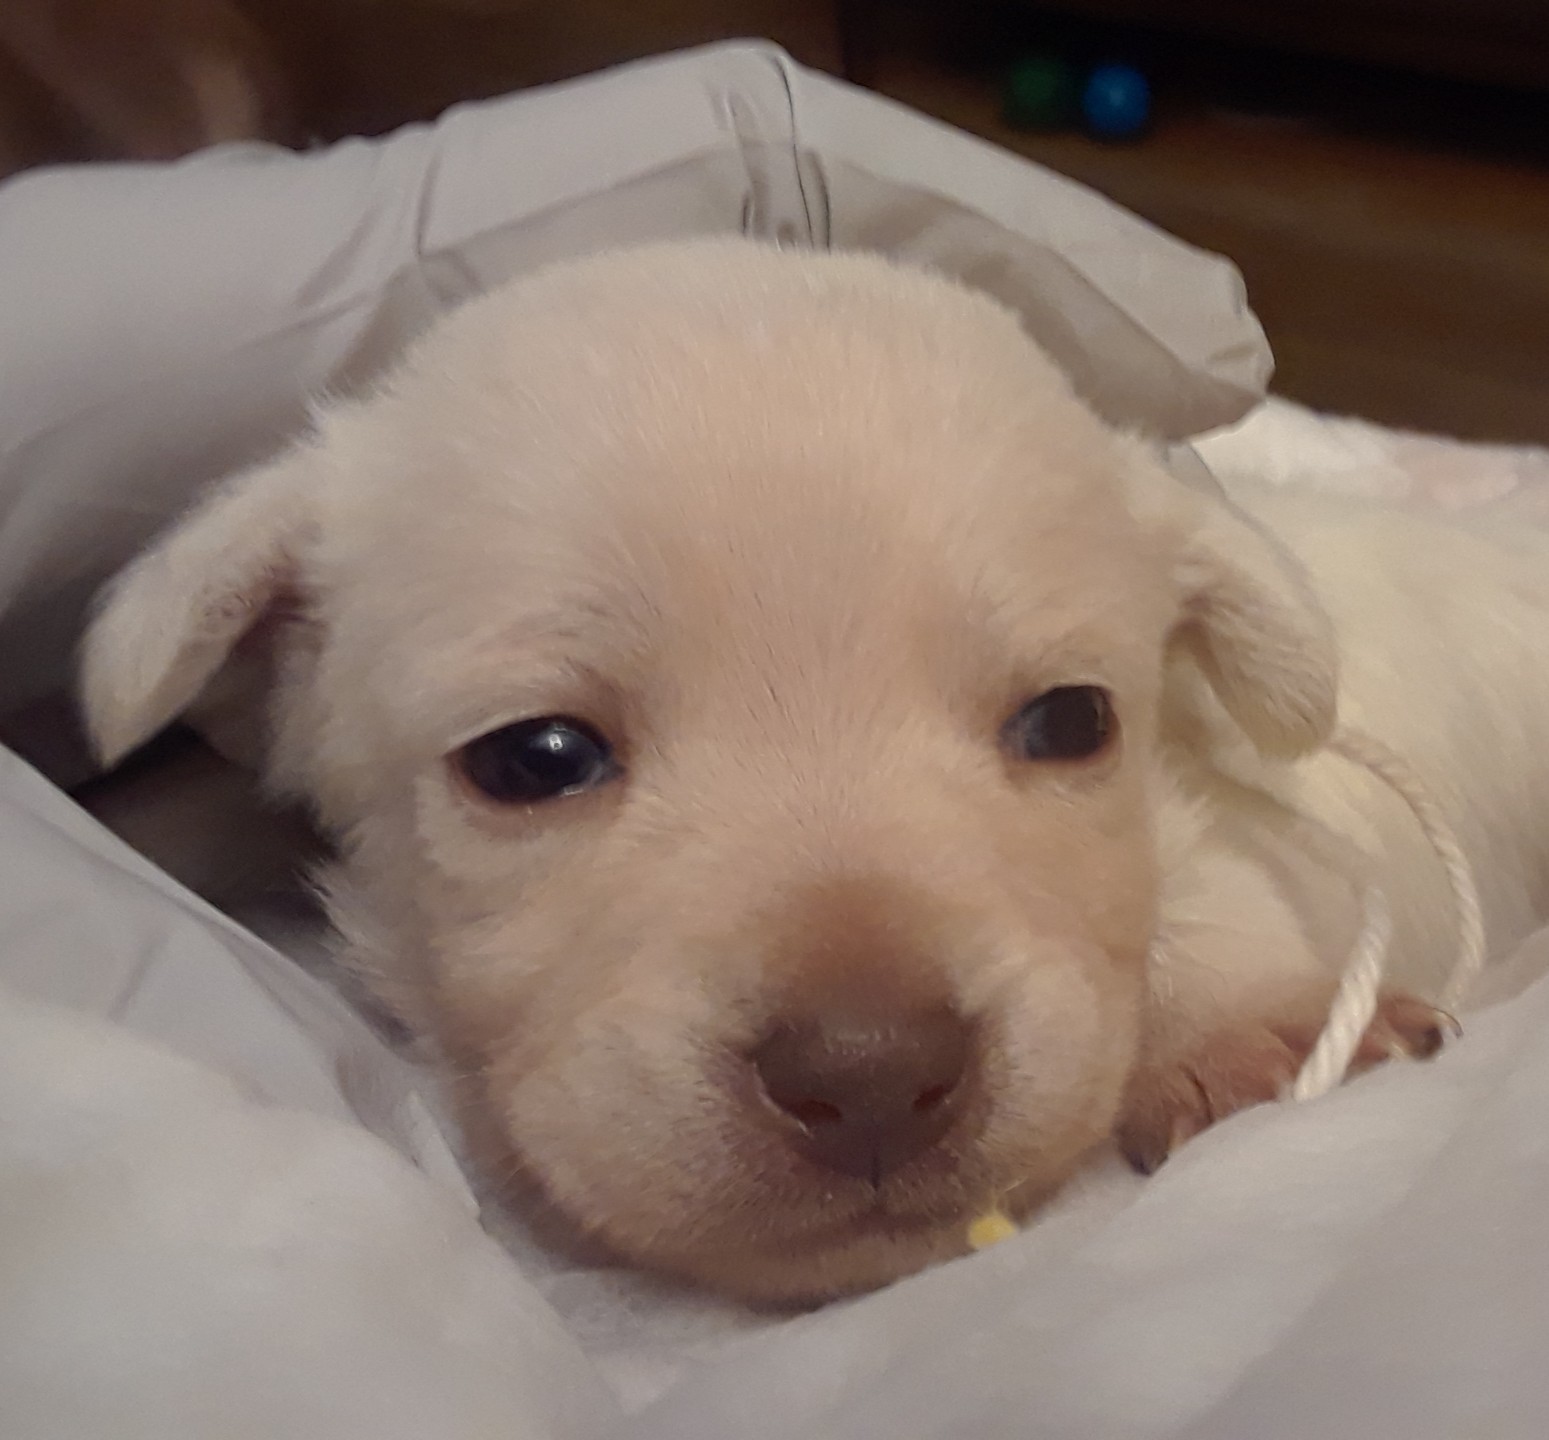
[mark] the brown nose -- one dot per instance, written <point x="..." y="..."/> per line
<point x="870" y="1092"/>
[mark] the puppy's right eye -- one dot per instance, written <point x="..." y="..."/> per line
<point x="537" y="759"/>
<point x="1070" y="722"/>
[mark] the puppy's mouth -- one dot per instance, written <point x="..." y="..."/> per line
<point x="883" y="1220"/>
<point x="811" y="1259"/>
<point x="880" y="1213"/>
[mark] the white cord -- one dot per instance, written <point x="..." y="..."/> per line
<point x="1355" y="1002"/>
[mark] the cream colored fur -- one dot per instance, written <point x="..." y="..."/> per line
<point x="800" y="534"/>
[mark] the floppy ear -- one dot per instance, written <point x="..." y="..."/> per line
<point x="169" y="622"/>
<point x="1252" y="622"/>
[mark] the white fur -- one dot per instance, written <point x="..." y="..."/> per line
<point x="802" y="532"/>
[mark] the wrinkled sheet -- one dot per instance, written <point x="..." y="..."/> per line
<point x="226" y="1210"/>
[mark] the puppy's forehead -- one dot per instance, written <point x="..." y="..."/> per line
<point x="819" y="447"/>
<point x="736" y="379"/>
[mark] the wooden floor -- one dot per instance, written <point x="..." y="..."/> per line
<point x="1396" y="282"/>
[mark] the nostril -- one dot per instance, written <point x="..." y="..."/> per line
<point x="932" y="1098"/>
<point x="812" y="1113"/>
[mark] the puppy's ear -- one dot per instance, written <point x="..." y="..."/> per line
<point x="169" y="622"/>
<point x="1251" y="621"/>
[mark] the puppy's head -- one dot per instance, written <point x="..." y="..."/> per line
<point x="734" y="678"/>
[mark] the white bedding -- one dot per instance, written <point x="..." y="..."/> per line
<point x="226" y="1211"/>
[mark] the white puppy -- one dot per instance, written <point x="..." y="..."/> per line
<point x="808" y="777"/>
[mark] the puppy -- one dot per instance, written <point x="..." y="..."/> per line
<point x="810" y="779"/>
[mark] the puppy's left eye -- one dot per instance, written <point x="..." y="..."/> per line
<point x="536" y="759"/>
<point x="1071" y="722"/>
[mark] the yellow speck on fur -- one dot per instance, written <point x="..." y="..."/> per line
<point x="990" y="1229"/>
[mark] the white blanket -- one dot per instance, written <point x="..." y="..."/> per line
<point x="226" y="1209"/>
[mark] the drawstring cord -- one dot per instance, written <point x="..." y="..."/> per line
<point x="1355" y="1002"/>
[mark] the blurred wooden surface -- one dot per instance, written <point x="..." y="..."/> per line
<point x="1407" y="285"/>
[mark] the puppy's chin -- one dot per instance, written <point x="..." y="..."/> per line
<point x="875" y="1242"/>
<point x="862" y="1257"/>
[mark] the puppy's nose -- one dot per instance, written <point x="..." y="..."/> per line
<point x="869" y="1091"/>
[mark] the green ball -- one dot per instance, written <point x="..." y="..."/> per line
<point x="1041" y="93"/>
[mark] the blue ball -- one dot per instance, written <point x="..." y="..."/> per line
<point x="1116" y="102"/>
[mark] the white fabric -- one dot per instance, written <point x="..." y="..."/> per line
<point x="200" y="1236"/>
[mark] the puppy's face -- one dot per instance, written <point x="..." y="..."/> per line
<point x="735" y="677"/>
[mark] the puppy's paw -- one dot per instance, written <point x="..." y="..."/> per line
<point x="1177" y="1092"/>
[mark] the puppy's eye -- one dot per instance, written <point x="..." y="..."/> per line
<point x="536" y="760"/>
<point x="1072" y="722"/>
